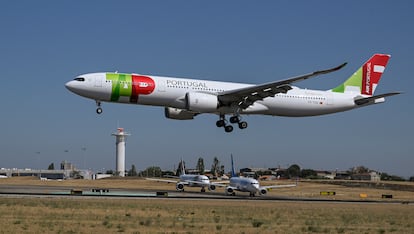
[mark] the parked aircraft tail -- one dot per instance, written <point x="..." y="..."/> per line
<point x="233" y="173"/>
<point x="182" y="167"/>
<point x="365" y="80"/>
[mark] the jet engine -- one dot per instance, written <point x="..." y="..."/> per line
<point x="263" y="191"/>
<point x="180" y="114"/>
<point x="201" y="102"/>
<point x="211" y="187"/>
<point x="179" y="187"/>
<point x="229" y="191"/>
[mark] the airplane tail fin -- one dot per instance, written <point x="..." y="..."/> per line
<point x="182" y="167"/>
<point x="233" y="173"/>
<point x="365" y="80"/>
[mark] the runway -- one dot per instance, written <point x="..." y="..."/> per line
<point x="117" y="193"/>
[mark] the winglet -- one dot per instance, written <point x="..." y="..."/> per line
<point x="331" y="70"/>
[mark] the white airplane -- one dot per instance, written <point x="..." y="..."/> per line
<point x="189" y="180"/>
<point x="247" y="184"/>
<point x="185" y="98"/>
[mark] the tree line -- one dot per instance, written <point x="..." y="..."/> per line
<point x="217" y="170"/>
<point x="293" y="171"/>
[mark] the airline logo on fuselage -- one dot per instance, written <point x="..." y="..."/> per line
<point x="368" y="79"/>
<point x="127" y="85"/>
<point x="143" y="84"/>
<point x="186" y="83"/>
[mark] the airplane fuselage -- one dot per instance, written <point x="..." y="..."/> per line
<point x="171" y="92"/>
<point x="183" y="98"/>
<point x="244" y="184"/>
<point x="195" y="180"/>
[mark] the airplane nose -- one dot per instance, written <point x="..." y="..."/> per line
<point x="75" y="86"/>
<point x="70" y="86"/>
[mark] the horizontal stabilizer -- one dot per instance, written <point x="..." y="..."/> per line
<point x="373" y="99"/>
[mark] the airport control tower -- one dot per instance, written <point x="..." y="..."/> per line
<point x="120" y="151"/>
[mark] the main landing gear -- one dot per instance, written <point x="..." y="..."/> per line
<point x="99" y="109"/>
<point x="234" y="119"/>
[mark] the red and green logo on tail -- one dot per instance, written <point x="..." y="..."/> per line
<point x="367" y="77"/>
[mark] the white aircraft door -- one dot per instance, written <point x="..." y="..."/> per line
<point x="161" y="85"/>
<point x="98" y="82"/>
<point x="329" y="99"/>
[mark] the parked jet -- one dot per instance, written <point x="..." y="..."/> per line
<point x="247" y="184"/>
<point x="185" y="98"/>
<point x="189" y="180"/>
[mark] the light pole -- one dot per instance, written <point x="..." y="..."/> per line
<point x="83" y="156"/>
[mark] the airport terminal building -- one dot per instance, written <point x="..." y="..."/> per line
<point x="66" y="171"/>
<point x="47" y="174"/>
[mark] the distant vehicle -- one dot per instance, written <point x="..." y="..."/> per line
<point x="185" y="98"/>
<point x="248" y="184"/>
<point x="189" y="180"/>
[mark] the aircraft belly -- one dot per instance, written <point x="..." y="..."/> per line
<point x="170" y="99"/>
<point x="299" y="107"/>
<point x="98" y="93"/>
<point x="157" y="98"/>
<point x="256" y="108"/>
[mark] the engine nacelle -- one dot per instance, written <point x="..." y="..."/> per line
<point x="179" y="187"/>
<point x="229" y="190"/>
<point x="263" y="191"/>
<point x="201" y="102"/>
<point x="211" y="187"/>
<point x="180" y="114"/>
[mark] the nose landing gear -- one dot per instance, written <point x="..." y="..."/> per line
<point x="99" y="109"/>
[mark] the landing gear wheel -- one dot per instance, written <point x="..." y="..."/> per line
<point x="228" y="128"/>
<point x="234" y="119"/>
<point x="203" y="190"/>
<point x="242" y="125"/>
<point x="220" y="123"/>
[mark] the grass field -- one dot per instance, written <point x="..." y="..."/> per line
<point x="90" y="215"/>
<point x="75" y="215"/>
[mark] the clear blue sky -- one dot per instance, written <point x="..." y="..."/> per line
<point x="44" y="44"/>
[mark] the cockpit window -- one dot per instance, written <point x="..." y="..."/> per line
<point x="80" y="79"/>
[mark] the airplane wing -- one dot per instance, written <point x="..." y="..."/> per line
<point x="166" y="181"/>
<point x="170" y="176"/>
<point x="192" y="182"/>
<point x="278" y="186"/>
<point x="220" y="184"/>
<point x="186" y="182"/>
<point x="203" y="183"/>
<point x="245" y="97"/>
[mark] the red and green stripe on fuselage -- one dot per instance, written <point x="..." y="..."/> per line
<point x="129" y="85"/>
